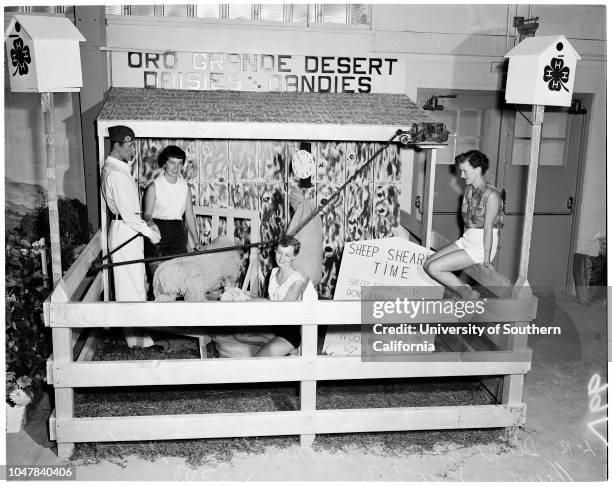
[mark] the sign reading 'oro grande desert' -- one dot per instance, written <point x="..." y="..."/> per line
<point x="389" y="268"/>
<point x="257" y="72"/>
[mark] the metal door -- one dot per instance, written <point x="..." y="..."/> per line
<point x="561" y="152"/>
<point x="473" y="119"/>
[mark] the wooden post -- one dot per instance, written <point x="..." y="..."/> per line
<point x="103" y="219"/>
<point x="537" y="117"/>
<point x="428" y="197"/>
<point x="308" y="389"/>
<point x="64" y="397"/>
<point x="46" y="100"/>
<point x="512" y="393"/>
<point x="43" y="262"/>
<point x="512" y="386"/>
<point x="254" y="257"/>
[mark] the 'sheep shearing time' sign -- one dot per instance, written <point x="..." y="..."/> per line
<point x="394" y="265"/>
<point x="257" y="72"/>
<point x="384" y="262"/>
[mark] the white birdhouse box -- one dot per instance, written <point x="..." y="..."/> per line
<point x="43" y="54"/>
<point x="541" y="71"/>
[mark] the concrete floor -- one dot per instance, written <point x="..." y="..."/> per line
<point x="563" y="438"/>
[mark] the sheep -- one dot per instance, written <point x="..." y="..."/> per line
<point x="193" y="276"/>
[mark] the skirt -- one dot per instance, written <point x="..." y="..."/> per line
<point x="173" y="238"/>
<point x="173" y="242"/>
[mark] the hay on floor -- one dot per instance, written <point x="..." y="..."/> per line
<point x="262" y="397"/>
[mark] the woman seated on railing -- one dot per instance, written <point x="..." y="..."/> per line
<point x="482" y="212"/>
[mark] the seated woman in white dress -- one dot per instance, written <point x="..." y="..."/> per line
<point x="286" y="283"/>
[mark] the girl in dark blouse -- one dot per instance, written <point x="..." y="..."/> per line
<point x="482" y="214"/>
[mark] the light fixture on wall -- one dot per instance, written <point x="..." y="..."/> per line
<point x="432" y="102"/>
<point x="525" y="27"/>
<point x="576" y="108"/>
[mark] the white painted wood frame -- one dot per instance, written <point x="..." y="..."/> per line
<point x="251" y="278"/>
<point x="428" y="198"/>
<point x="195" y="426"/>
<point x="257" y="131"/>
<point x="258" y="313"/>
<point x="291" y="368"/>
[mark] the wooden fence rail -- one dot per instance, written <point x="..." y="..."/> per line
<point x="258" y="313"/>
<point x="76" y="307"/>
<point x="196" y="426"/>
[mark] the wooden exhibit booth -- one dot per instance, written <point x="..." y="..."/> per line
<point x="238" y="146"/>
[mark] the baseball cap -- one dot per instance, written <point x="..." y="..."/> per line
<point x="121" y="134"/>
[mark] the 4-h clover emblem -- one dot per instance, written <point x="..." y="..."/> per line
<point x="20" y="57"/>
<point x="556" y="75"/>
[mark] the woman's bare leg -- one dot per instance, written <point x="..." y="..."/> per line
<point x="441" y="252"/>
<point x="442" y="267"/>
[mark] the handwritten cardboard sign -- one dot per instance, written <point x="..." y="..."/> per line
<point x="388" y="268"/>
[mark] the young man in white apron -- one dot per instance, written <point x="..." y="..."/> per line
<point x="120" y="192"/>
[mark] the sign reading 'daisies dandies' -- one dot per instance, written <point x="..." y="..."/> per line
<point x="257" y="72"/>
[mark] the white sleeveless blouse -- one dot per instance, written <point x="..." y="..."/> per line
<point x="279" y="292"/>
<point x="169" y="198"/>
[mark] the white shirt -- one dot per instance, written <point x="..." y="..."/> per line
<point x="121" y="195"/>
<point x="277" y="291"/>
<point x="170" y="199"/>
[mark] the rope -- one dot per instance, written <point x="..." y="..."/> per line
<point x="121" y="246"/>
<point x="97" y="265"/>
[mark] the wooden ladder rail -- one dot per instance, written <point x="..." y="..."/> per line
<point x="251" y="279"/>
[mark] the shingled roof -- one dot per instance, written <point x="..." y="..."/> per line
<point x="336" y="109"/>
<point x="250" y="106"/>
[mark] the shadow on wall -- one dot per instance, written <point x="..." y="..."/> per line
<point x="92" y="174"/>
<point x="68" y="145"/>
<point x="24" y="153"/>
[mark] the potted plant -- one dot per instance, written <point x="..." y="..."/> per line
<point x="19" y="394"/>
<point x="27" y="344"/>
<point x="28" y="341"/>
